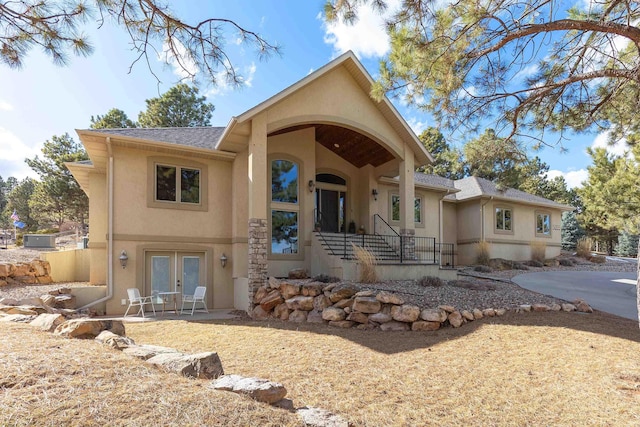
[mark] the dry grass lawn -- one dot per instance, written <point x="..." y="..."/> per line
<point x="530" y="369"/>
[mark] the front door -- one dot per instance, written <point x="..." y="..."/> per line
<point x="169" y="271"/>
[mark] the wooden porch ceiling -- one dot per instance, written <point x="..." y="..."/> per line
<point x="357" y="149"/>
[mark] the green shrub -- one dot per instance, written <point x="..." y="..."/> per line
<point x="430" y="281"/>
<point x="566" y="262"/>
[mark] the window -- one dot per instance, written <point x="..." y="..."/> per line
<point x="395" y="209"/>
<point x="285" y="206"/>
<point x="171" y="178"/>
<point x="504" y="219"/>
<point x="174" y="183"/>
<point x="543" y="224"/>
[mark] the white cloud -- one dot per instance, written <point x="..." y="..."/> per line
<point x="183" y="64"/>
<point x="12" y="154"/>
<point x="619" y="148"/>
<point x="5" y="106"/>
<point x="417" y="126"/>
<point x="573" y="179"/>
<point x="526" y="72"/>
<point x="367" y="38"/>
<point x="224" y="86"/>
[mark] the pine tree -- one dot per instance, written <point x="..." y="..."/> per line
<point x="627" y="245"/>
<point x="572" y="231"/>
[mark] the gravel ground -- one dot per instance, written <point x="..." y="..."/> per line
<point x="473" y="290"/>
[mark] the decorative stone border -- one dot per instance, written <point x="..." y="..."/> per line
<point x="345" y="307"/>
<point x="29" y="273"/>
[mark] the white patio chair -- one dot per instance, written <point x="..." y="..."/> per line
<point x="135" y="300"/>
<point x="198" y="296"/>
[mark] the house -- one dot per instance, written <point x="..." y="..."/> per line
<point x="172" y="208"/>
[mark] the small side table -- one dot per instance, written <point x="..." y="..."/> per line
<point x="165" y="298"/>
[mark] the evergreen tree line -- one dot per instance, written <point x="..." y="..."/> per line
<point x="606" y="205"/>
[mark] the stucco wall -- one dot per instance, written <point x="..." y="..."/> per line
<point x="69" y="266"/>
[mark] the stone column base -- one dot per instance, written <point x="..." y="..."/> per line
<point x="257" y="256"/>
<point x="408" y="237"/>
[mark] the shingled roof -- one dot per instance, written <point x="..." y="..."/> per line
<point x="474" y="187"/>
<point x="201" y="137"/>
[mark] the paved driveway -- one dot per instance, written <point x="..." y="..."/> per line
<point x="605" y="291"/>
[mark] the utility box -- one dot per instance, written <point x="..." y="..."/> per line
<point x="39" y="241"/>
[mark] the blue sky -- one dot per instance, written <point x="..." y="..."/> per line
<point x="42" y="100"/>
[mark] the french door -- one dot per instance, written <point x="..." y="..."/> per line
<point x="170" y="271"/>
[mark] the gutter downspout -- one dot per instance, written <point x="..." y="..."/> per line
<point x="441" y="225"/>
<point x="109" y="230"/>
<point x="482" y="219"/>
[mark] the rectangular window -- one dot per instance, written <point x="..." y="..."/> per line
<point x="168" y="184"/>
<point x="284" y="232"/>
<point x="395" y="209"/>
<point x="543" y="224"/>
<point x="503" y="219"/>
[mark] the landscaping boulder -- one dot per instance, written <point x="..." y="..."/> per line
<point x="455" y="319"/>
<point x="261" y="292"/>
<point x="298" y="316"/>
<point x="18" y="318"/>
<point x="67" y="301"/>
<point x="312" y="289"/>
<point x="394" y="326"/>
<point x="271" y="300"/>
<point x="380" y="317"/>
<point x="201" y="365"/>
<point x="422" y="325"/>
<point x="88" y="328"/>
<point x="568" y="307"/>
<point x="358" y="317"/>
<point x="298" y="273"/>
<point x="9" y="301"/>
<point x="477" y="314"/>
<point x="256" y="388"/>
<point x="345" y="324"/>
<point x="314" y="316"/>
<point x="146" y="352"/>
<point x="540" y="307"/>
<point x="48" y="322"/>
<point x="366" y="305"/>
<point x="333" y="314"/>
<point x="112" y="340"/>
<point x="467" y="315"/>
<point x="289" y="290"/>
<point x="258" y="313"/>
<point x="433" y="315"/>
<point x="344" y="303"/>
<point x="340" y="294"/>
<point x="389" y="298"/>
<point x="405" y="313"/>
<point x="321" y="302"/>
<point x="300" y="303"/>
<point x="282" y="311"/>
<point x="316" y="417"/>
<point x="274" y="283"/>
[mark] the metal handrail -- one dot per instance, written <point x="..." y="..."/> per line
<point x="377" y="217"/>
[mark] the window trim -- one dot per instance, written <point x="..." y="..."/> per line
<point x="152" y="202"/>
<point x="535" y="224"/>
<point x="495" y="224"/>
<point x="297" y="208"/>
<point x="417" y="224"/>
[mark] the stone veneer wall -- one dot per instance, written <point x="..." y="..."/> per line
<point x="345" y="307"/>
<point x="29" y="273"/>
<point x="257" y="274"/>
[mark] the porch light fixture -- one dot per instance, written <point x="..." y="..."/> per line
<point x="123" y="259"/>
<point x="374" y="193"/>
<point x="312" y="186"/>
<point x="223" y="260"/>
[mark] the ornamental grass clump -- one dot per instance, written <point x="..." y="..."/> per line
<point x="367" y="262"/>
<point x="538" y="251"/>
<point x="583" y="247"/>
<point x="483" y="252"/>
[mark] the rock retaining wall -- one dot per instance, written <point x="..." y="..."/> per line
<point x="345" y="307"/>
<point x="28" y="273"/>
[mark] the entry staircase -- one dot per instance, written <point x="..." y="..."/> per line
<point x="341" y="245"/>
